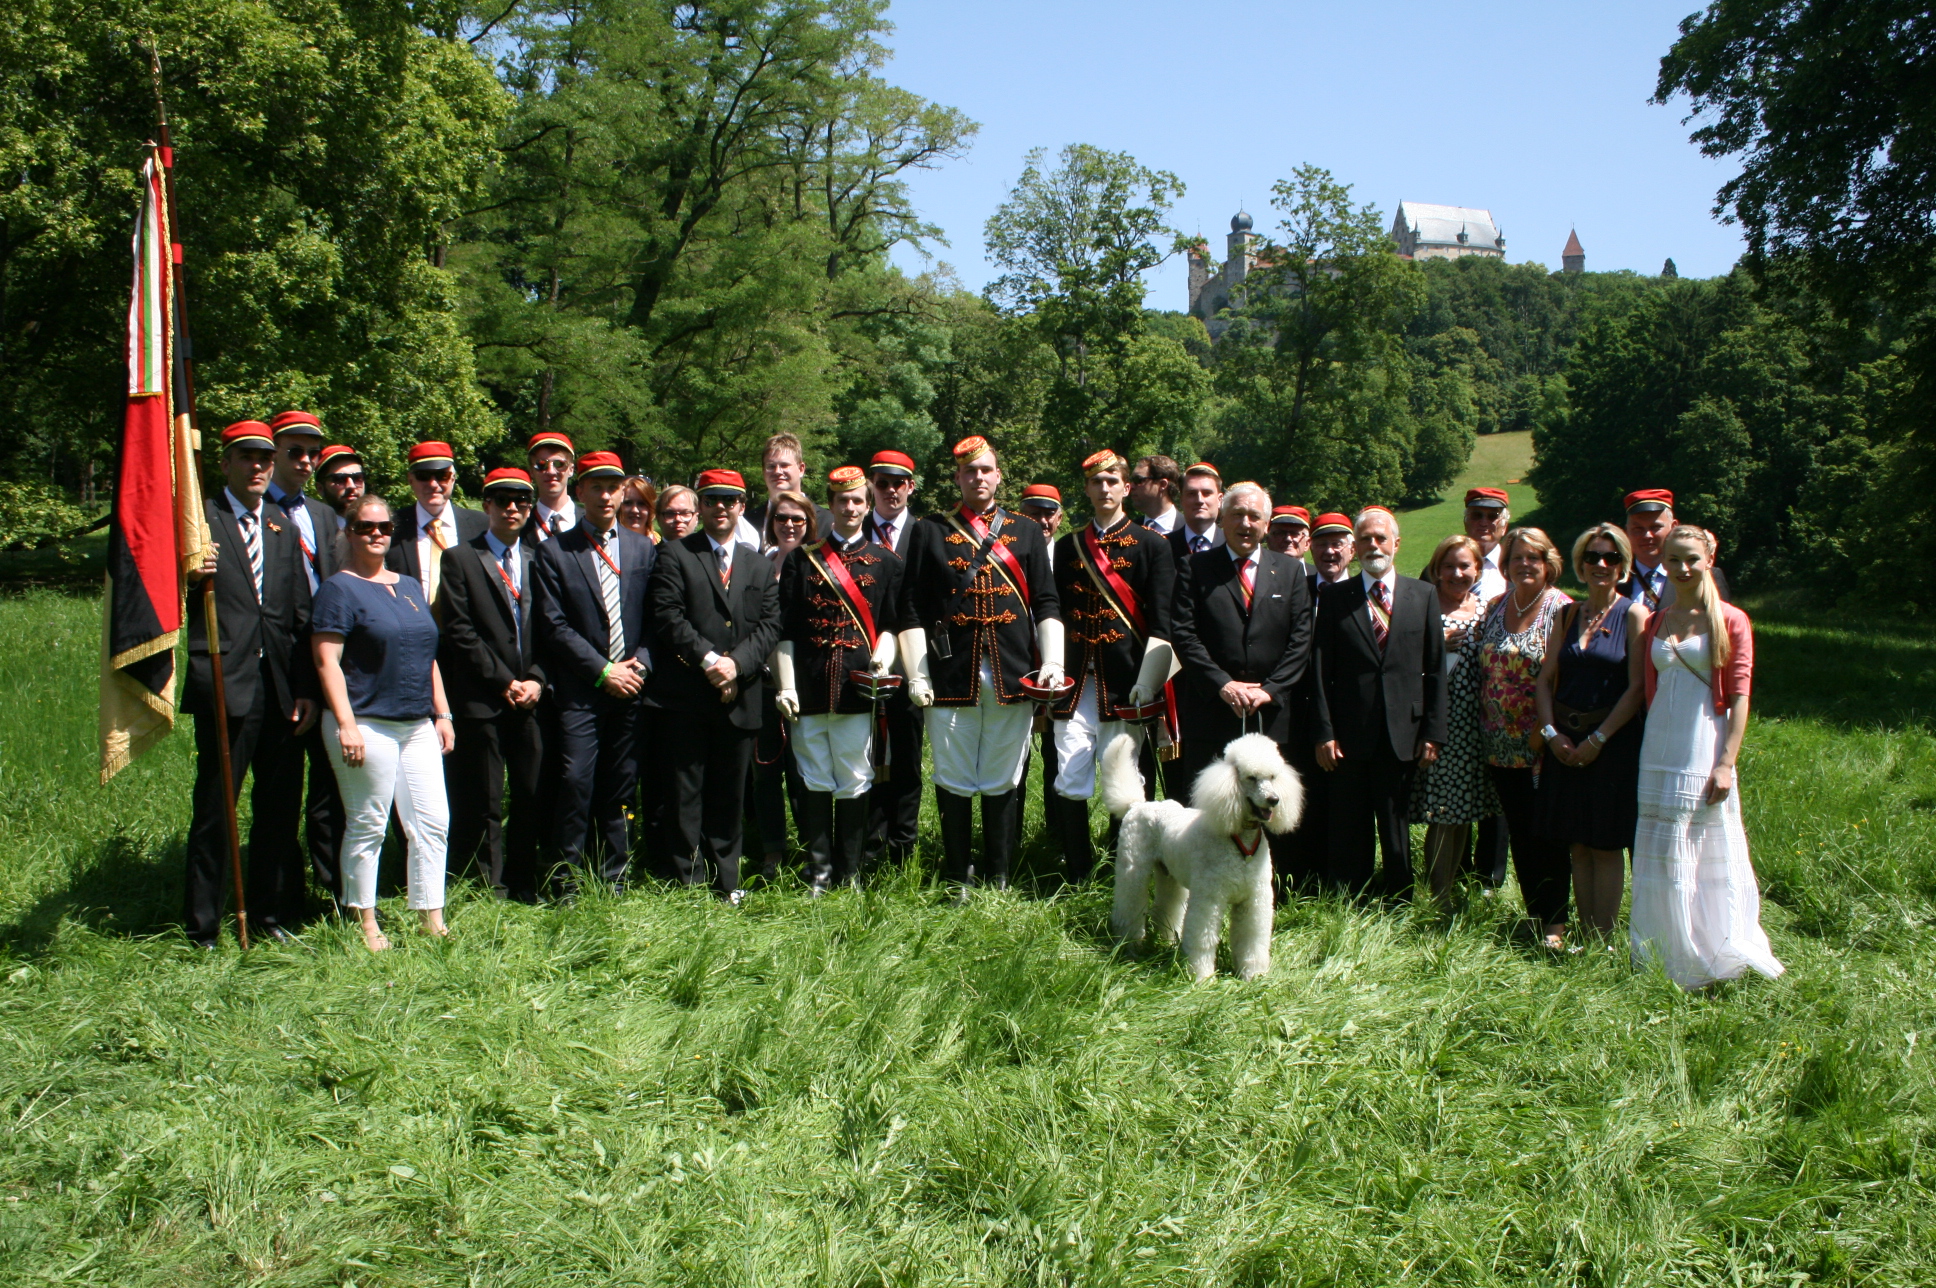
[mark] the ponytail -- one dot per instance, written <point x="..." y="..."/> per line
<point x="1709" y="596"/>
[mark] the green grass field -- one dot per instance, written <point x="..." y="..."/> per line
<point x="1498" y="460"/>
<point x="883" y="1088"/>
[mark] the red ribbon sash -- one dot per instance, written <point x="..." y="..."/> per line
<point x="998" y="551"/>
<point x="598" y="548"/>
<point x="505" y="577"/>
<point x="844" y="582"/>
<point x="1117" y="586"/>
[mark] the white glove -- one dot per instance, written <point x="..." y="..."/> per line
<point x="884" y="653"/>
<point x="786" y="697"/>
<point x="1048" y="642"/>
<point x="1154" y="670"/>
<point x="914" y="657"/>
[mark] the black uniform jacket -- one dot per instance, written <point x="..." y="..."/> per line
<point x="1102" y="648"/>
<point x="693" y="615"/>
<point x="827" y="643"/>
<point x="970" y="611"/>
<point x="570" y="609"/>
<point x="1218" y="641"/>
<point x="1377" y="705"/>
<point x="489" y="638"/>
<point x="471" y="524"/>
<point x="270" y="637"/>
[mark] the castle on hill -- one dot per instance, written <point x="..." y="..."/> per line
<point x="1418" y="231"/>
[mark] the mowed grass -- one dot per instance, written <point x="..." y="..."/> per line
<point x="1498" y="460"/>
<point x="883" y="1088"/>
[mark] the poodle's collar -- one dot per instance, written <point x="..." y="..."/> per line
<point x="1247" y="850"/>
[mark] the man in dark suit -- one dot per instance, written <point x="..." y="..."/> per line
<point x="784" y="467"/>
<point x="715" y="620"/>
<point x="1379" y="705"/>
<point x="1242" y="622"/>
<point x="594" y="644"/>
<point x="895" y="802"/>
<point x="435" y="523"/>
<point x="980" y="589"/>
<point x="269" y="689"/>
<point x="299" y="449"/>
<point x="1302" y="856"/>
<point x="1201" y="506"/>
<point x="493" y="677"/>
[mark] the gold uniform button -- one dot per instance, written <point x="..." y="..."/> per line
<point x="729" y="624"/>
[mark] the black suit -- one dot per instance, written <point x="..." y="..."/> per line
<point x="1219" y="641"/>
<point x="693" y="614"/>
<point x="471" y="524"/>
<point x="322" y="805"/>
<point x="895" y="801"/>
<point x="488" y="640"/>
<point x="1378" y="707"/>
<point x="1301" y="856"/>
<point x="597" y="731"/>
<point x="266" y="667"/>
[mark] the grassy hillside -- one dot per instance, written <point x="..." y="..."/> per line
<point x="1498" y="460"/>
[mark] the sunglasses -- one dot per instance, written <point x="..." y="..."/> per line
<point x="301" y="453"/>
<point x="719" y="498"/>
<point x="556" y="465"/>
<point x="1600" y="558"/>
<point x="431" y="476"/>
<point x="893" y="480"/>
<point x="368" y="527"/>
<point x="343" y="476"/>
<point x="509" y="499"/>
<point x="800" y="519"/>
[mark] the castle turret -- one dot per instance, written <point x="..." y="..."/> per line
<point x="1237" y="262"/>
<point x="1573" y="258"/>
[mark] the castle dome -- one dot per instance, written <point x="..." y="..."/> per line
<point x="1240" y="222"/>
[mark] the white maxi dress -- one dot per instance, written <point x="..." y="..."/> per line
<point x="1696" y="905"/>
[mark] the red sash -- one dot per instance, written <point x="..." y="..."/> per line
<point x="598" y="548"/>
<point x="505" y="577"/>
<point x="835" y="571"/>
<point x="1001" y="554"/>
<point x="1100" y="563"/>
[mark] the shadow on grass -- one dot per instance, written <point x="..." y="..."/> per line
<point x="1841" y="669"/>
<point x="127" y="886"/>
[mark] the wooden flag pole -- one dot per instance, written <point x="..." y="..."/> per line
<point x="228" y="767"/>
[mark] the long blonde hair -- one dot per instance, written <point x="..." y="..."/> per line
<point x="1710" y="598"/>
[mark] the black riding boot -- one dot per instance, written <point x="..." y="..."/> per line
<point x="1072" y="832"/>
<point x="1001" y="827"/>
<point x="815" y="816"/>
<point x="850" y="839"/>
<point x="957" y="835"/>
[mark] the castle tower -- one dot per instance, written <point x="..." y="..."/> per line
<point x="1237" y="261"/>
<point x="1573" y="258"/>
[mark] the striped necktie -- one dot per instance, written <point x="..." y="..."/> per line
<point x="1198" y="543"/>
<point x="252" y="541"/>
<point x="1380" y="614"/>
<point x="608" y="579"/>
<point x="1247" y="578"/>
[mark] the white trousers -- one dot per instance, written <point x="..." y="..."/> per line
<point x="833" y="753"/>
<point x="403" y="764"/>
<point x="1077" y="740"/>
<point x="980" y="750"/>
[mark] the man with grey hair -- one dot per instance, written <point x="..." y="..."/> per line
<point x="1242" y="625"/>
<point x="1379" y="705"/>
<point x="1486" y="520"/>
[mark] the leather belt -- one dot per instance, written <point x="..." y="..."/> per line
<point x="1576" y="723"/>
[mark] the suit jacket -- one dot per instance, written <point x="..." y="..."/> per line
<point x="268" y="637"/>
<point x="1179" y="540"/>
<point x="693" y="615"/>
<point x="1100" y="646"/>
<point x="1219" y="642"/>
<point x="961" y="598"/>
<point x="471" y="524"/>
<point x="1374" y="704"/>
<point x="323" y="520"/>
<point x="488" y="638"/>
<point x="570" y="610"/>
<point x="827" y="643"/>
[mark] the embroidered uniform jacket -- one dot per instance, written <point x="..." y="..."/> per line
<point x="1103" y="651"/>
<point x="827" y="643"/>
<point x="964" y="601"/>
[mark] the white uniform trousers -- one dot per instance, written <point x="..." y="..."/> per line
<point x="980" y="750"/>
<point x="403" y="764"/>
<point x="833" y="753"/>
<point x="1078" y="740"/>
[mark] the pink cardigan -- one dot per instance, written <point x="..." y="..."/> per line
<point x="1739" y="675"/>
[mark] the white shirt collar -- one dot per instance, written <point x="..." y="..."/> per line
<point x="882" y="521"/>
<point x="1166" y="522"/>
<point x="239" y="506"/>
<point x="1251" y="558"/>
<point x="1491" y="557"/>
<point x="567" y="514"/>
<point x="447" y="521"/>
<point x="1390" y="579"/>
<point x="498" y="547"/>
<point x="719" y="549"/>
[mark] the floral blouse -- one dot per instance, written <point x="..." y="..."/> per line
<point x="1510" y="671"/>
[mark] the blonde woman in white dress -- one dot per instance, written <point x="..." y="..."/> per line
<point x="1696" y="905"/>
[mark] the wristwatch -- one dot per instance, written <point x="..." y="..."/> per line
<point x="1548" y="732"/>
<point x="1597" y="738"/>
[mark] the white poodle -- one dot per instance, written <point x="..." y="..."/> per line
<point x="1202" y="862"/>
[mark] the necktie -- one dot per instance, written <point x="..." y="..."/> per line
<point x="517" y="598"/>
<point x="1248" y="579"/>
<point x="557" y="524"/>
<point x="725" y="569"/>
<point x="608" y="582"/>
<point x="1380" y="614"/>
<point x="1198" y="543"/>
<point x="252" y="541"/>
<point x="437" y="538"/>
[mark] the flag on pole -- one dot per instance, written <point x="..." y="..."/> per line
<point x="158" y="531"/>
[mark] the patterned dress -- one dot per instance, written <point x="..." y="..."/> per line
<point x="1509" y="672"/>
<point x="1455" y="789"/>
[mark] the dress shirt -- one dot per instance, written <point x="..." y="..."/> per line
<point x="516" y="568"/>
<point x="887" y="531"/>
<point x="1655" y="578"/>
<point x="1390" y="579"/>
<point x="429" y="554"/>
<point x="245" y="515"/>
<point x="1492" y="582"/>
<point x="1165" y="522"/>
<point x="723" y="562"/>
<point x="1214" y="537"/>
<point x="565" y="516"/>
<point x="292" y="505"/>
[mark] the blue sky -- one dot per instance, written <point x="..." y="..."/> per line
<point x="1535" y="111"/>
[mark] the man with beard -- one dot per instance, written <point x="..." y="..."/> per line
<point x="1379" y="701"/>
<point x="339" y="482"/>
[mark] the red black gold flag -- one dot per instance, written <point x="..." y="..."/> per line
<point x="158" y="530"/>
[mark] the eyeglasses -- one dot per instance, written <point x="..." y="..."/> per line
<point x="800" y="519"/>
<point x="675" y="515"/>
<point x="297" y="453"/>
<point x="1600" y="558"/>
<point x="719" y="498"/>
<point x="431" y="476"/>
<point x="893" y="480"/>
<point x="367" y="527"/>
<point x="556" y="465"/>
<point x="342" y="476"/>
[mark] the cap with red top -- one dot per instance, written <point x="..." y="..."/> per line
<point x="848" y="478"/>
<point x="432" y="456"/>
<point x="295" y="422"/>
<point x="972" y="449"/>
<point x="1044" y="496"/>
<point x="891" y="462"/>
<point x="1486" y="498"/>
<point x="1291" y="514"/>
<point x="337" y="454"/>
<point x="508" y="479"/>
<point x="1376" y="509"/>
<point x="549" y="438"/>
<point x="1331" y="521"/>
<point x="721" y="481"/>
<point x="1203" y="467"/>
<point x="1099" y="462"/>
<point x="599" y="465"/>
<point x="248" y="433"/>
<point x="1649" y="499"/>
